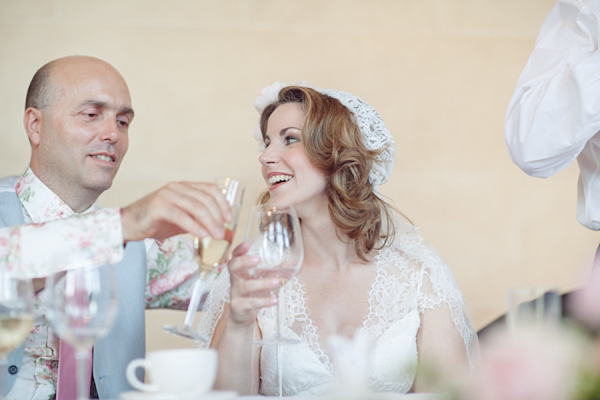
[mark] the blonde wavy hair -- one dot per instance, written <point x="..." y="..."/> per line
<point x="334" y="144"/>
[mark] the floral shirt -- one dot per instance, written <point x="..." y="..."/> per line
<point x="56" y="238"/>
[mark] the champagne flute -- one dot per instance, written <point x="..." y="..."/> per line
<point x="210" y="254"/>
<point x="16" y="317"/>
<point x="274" y="236"/>
<point x="82" y="308"/>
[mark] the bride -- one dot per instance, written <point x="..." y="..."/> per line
<point x="365" y="271"/>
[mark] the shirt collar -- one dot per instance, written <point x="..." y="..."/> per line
<point x="41" y="203"/>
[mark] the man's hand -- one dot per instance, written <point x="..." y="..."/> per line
<point x="178" y="207"/>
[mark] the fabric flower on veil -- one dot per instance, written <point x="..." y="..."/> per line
<point x="267" y="96"/>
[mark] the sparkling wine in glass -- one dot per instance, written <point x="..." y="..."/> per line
<point x="274" y="236"/>
<point x="210" y="253"/>
<point x="16" y="317"/>
<point x="82" y="308"/>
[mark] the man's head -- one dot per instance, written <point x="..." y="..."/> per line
<point x="78" y="111"/>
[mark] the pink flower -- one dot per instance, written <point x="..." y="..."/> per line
<point x="168" y="247"/>
<point x="527" y="366"/>
<point x="160" y="284"/>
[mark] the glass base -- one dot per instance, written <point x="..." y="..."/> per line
<point x="276" y="341"/>
<point x="185" y="332"/>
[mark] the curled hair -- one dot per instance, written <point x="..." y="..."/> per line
<point x="334" y="143"/>
<point x="39" y="93"/>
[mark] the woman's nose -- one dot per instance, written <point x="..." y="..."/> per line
<point x="268" y="156"/>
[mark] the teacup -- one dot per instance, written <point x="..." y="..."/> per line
<point x="178" y="372"/>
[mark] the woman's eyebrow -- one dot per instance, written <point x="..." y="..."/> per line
<point x="284" y="130"/>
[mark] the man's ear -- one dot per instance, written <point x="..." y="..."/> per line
<point x="33" y="120"/>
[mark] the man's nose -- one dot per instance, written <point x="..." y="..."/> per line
<point x="110" y="131"/>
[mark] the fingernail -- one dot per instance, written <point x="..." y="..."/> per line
<point x="220" y="232"/>
<point x="274" y="282"/>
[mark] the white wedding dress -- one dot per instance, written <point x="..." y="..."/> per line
<point x="409" y="280"/>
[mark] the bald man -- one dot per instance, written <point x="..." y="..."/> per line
<point x="77" y="116"/>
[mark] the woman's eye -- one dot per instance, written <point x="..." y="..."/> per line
<point x="291" y="139"/>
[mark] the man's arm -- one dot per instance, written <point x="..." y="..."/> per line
<point x="86" y="240"/>
<point x="555" y="108"/>
<point x="93" y="239"/>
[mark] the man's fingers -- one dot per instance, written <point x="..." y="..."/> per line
<point x="199" y="205"/>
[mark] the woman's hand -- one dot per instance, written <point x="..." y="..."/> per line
<point x="248" y="295"/>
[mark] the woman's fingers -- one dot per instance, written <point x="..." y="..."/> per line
<point x="260" y="288"/>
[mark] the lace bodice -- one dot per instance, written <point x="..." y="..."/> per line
<point x="409" y="280"/>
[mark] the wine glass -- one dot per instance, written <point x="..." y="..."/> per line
<point x="274" y="236"/>
<point x="82" y="307"/>
<point x="210" y="253"/>
<point x="533" y="307"/>
<point x="16" y="317"/>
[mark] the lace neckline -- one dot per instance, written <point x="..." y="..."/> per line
<point x="295" y="298"/>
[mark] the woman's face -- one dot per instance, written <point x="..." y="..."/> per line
<point x="290" y="176"/>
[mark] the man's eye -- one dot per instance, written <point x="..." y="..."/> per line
<point x="123" y="123"/>
<point x="91" y="113"/>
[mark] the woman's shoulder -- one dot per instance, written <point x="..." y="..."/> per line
<point x="411" y="256"/>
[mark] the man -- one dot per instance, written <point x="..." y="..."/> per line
<point x="554" y="114"/>
<point x="554" y="117"/>
<point x="78" y="112"/>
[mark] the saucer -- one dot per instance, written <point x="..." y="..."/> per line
<point x="212" y="395"/>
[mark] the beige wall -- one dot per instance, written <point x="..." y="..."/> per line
<point x="439" y="71"/>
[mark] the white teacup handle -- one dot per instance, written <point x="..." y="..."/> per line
<point x="133" y="379"/>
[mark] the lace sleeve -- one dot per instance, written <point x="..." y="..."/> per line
<point x="214" y="305"/>
<point x="436" y="285"/>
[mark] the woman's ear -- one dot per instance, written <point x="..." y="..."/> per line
<point x="33" y="121"/>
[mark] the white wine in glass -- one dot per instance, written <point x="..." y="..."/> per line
<point x="210" y="253"/>
<point x="16" y="317"/>
<point x="14" y="329"/>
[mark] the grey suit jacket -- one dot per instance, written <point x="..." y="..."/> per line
<point x="126" y="340"/>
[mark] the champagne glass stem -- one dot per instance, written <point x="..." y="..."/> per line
<point x="82" y="360"/>
<point x="279" y="370"/>
<point x="277" y="317"/>
<point x="194" y="302"/>
<point x="3" y="375"/>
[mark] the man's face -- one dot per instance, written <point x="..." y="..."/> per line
<point x="84" y="134"/>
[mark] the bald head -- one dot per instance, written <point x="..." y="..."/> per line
<point x="48" y="80"/>
<point x="77" y="117"/>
